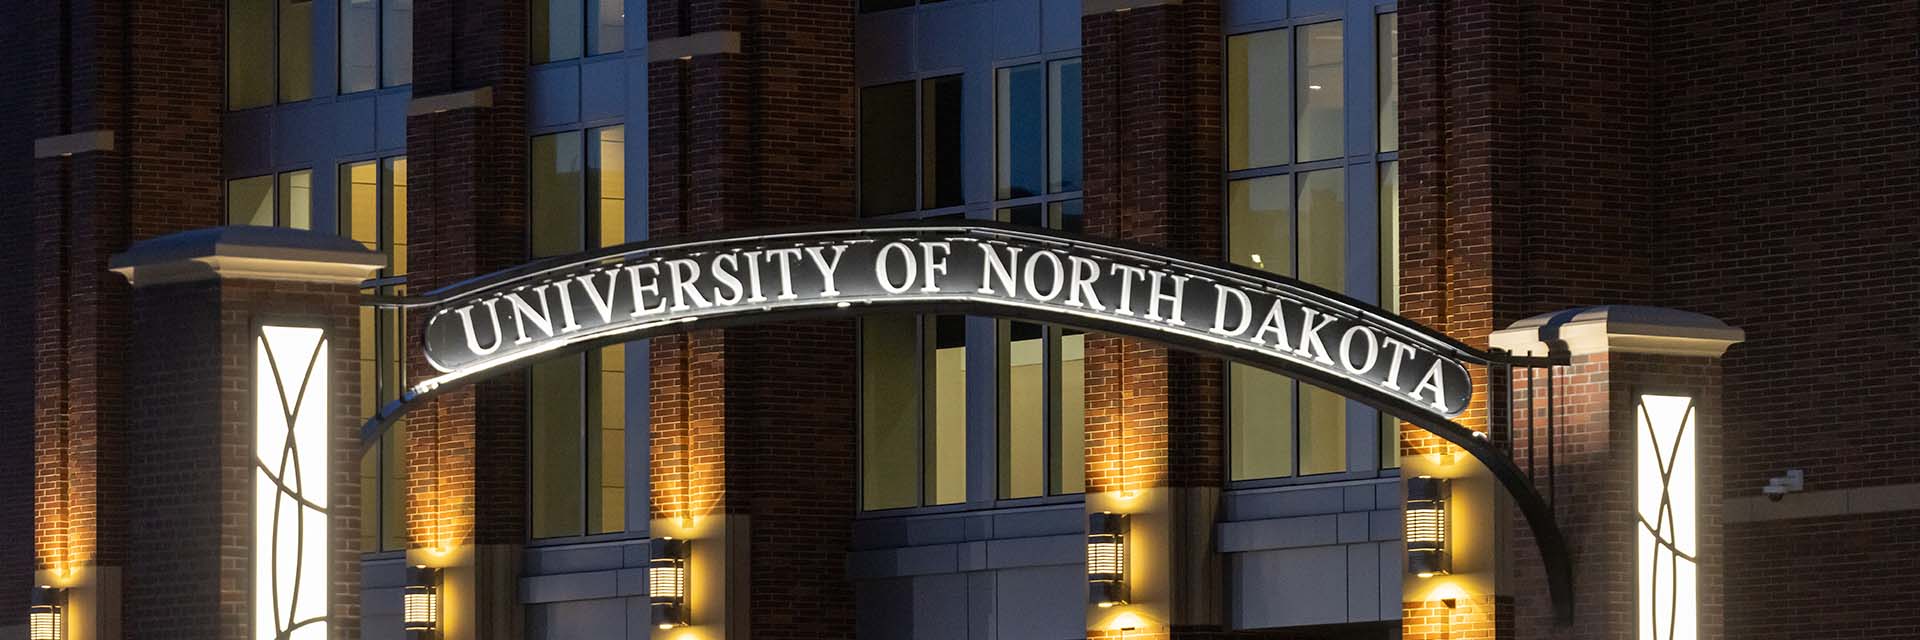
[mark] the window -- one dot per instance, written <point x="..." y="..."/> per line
<point x="1272" y="230"/>
<point x="562" y="29"/>
<point x="1290" y="184"/>
<point x="577" y="404"/>
<point x="269" y="52"/>
<point x="376" y="44"/>
<point x="1037" y="129"/>
<point x="373" y="211"/>
<point x="910" y="155"/>
<point x="913" y="423"/>
<point x="285" y="200"/>
<point x="882" y="5"/>
<point x="1389" y="289"/>
<point x="1387" y="38"/>
<point x="1042" y="384"/>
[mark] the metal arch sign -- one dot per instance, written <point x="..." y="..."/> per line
<point x="645" y="289"/>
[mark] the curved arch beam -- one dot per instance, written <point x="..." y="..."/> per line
<point x="509" y="319"/>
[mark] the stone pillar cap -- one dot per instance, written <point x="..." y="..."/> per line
<point x="1619" y="328"/>
<point x="257" y="253"/>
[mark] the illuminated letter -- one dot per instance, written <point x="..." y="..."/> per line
<point x="1401" y="351"/>
<point x="935" y="265"/>
<point x="1435" y="382"/>
<point x="640" y="291"/>
<point x="995" y="267"/>
<point x="880" y="267"/>
<point x="1276" y="324"/>
<point x="753" y="276"/>
<point x="1127" y="274"/>
<point x="1084" y="271"/>
<point x="473" y="341"/>
<point x="1346" y="349"/>
<point x="1059" y="277"/>
<point x="682" y="273"/>
<point x="1220" y="310"/>
<point x="727" y="279"/>
<point x="827" y="267"/>
<point x="523" y="312"/>
<point x="566" y="308"/>
<point x="601" y="303"/>
<point x="785" y="258"/>
<point x="1310" y="344"/>
<point x="1154" y="298"/>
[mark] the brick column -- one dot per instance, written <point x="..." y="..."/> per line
<point x="466" y="461"/>
<point x="1619" y="354"/>
<point x="106" y="169"/>
<point x="1154" y="421"/>
<point x="199" y="303"/>
<point x="751" y="126"/>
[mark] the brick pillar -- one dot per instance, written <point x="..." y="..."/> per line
<point x="1619" y="354"/>
<point x="751" y="126"/>
<point x="107" y="169"/>
<point x="466" y="162"/>
<point x="200" y="301"/>
<point x="1154" y="421"/>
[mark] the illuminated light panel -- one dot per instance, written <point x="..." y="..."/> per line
<point x="667" y="582"/>
<point x="291" y="448"/>
<point x="420" y="602"/>
<point x="43" y="614"/>
<point x="1666" y="493"/>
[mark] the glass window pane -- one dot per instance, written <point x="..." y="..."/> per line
<point x="881" y="5"/>
<point x="1023" y="430"/>
<point x="1260" y="224"/>
<point x="886" y="149"/>
<point x="607" y="178"/>
<point x="1321" y="90"/>
<point x="1323" y="430"/>
<point x="249" y="53"/>
<point x="1064" y="169"/>
<point x="296" y="50"/>
<point x="1067" y="216"/>
<point x="1389" y="60"/>
<point x="396" y="42"/>
<point x="1257" y="100"/>
<point x="250" y="201"/>
<point x="296" y="199"/>
<point x="359" y="45"/>
<point x="370" y="498"/>
<point x="1260" y="421"/>
<point x="1323" y="228"/>
<point x="393" y="487"/>
<point x="607" y="440"/>
<point x="940" y="143"/>
<point x="360" y="203"/>
<point x="554" y="449"/>
<point x="557" y="26"/>
<point x="945" y="457"/>
<point x="555" y="192"/>
<point x="396" y="224"/>
<point x="889" y="412"/>
<point x="1069" y="461"/>
<point x="609" y="34"/>
<point x="1019" y="130"/>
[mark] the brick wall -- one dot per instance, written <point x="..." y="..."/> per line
<point x="760" y="420"/>
<point x="467" y="200"/>
<point x="16" y="377"/>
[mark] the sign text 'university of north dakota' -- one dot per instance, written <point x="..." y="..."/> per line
<point x="638" y="290"/>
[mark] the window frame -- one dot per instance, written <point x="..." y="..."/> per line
<point x="274" y="196"/>
<point x="384" y="282"/>
<point x="919" y="210"/>
<point x="380" y="33"/>
<point x="588" y="17"/>
<point x="590" y="237"/>
<point x="1364" y="441"/>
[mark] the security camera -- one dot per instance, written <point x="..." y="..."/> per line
<point x="1779" y="486"/>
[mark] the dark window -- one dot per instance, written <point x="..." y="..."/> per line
<point x="941" y="151"/>
<point x="886" y="149"/>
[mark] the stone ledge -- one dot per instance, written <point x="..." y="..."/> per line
<point x="700" y="44"/>
<point x="258" y="253"/>
<point x="1619" y="328"/>
<point x="72" y="143"/>
<point x="1822" y="504"/>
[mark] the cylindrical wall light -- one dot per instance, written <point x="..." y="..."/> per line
<point x="667" y="582"/>
<point x="420" y="602"/>
<point x="1427" y="527"/>
<point x="43" y="613"/>
<point x="1107" y="559"/>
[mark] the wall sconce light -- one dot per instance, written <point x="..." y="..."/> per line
<point x="420" y="602"/>
<point x="1427" y="527"/>
<point x="1107" y="559"/>
<point x="667" y="581"/>
<point x="43" y="613"/>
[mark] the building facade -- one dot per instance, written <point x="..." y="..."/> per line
<point x="1475" y="166"/>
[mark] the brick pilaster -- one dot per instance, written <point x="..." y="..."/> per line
<point x="1154" y="421"/>
<point x="467" y="172"/>
<point x="95" y="69"/>
<point x="753" y="428"/>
